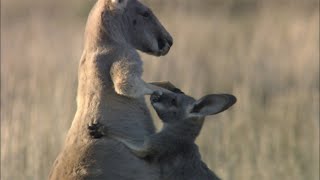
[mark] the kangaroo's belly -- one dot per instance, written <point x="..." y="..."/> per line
<point x="115" y="161"/>
<point x="84" y="157"/>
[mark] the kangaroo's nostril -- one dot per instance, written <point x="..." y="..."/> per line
<point x="161" y="43"/>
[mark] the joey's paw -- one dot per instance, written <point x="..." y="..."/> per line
<point x="96" y="130"/>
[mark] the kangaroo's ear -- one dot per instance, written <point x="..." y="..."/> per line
<point x="119" y="4"/>
<point x="212" y="104"/>
<point x="167" y="85"/>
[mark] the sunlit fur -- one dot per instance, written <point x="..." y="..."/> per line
<point x="110" y="91"/>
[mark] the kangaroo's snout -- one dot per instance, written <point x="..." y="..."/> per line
<point x="164" y="45"/>
<point x="168" y="40"/>
<point x="161" y="44"/>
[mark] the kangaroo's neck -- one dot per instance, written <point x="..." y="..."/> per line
<point x="101" y="47"/>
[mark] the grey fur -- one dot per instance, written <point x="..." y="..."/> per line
<point x="110" y="91"/>
<point x="174" y="148"/>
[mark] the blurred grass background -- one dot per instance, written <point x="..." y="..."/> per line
<point x="265" y="52"/>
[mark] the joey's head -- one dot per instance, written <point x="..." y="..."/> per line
<point x="137" y="25"/>
<point x="178" y="107"/>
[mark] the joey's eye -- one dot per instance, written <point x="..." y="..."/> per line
<point x="174" y="102"/>
<point x="145" y="14"/>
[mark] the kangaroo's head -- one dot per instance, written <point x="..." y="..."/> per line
<point x="178" y="107"/>
<point x="132" y="23"/>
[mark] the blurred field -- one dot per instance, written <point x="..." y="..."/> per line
<point x="264" y="52"/>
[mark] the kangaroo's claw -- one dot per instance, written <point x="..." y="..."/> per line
<point x="95" y="130"/>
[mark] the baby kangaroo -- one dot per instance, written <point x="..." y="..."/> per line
<point x="174" y="148"/>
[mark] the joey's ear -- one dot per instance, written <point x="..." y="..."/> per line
<point x="212" y="104"/>
<point x="167" y="85"/>
<point x="119" y="4"/>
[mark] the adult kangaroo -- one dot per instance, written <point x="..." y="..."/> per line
<point x="111" y="92"/>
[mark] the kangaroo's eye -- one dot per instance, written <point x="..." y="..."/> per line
<point x="145" y="14"/>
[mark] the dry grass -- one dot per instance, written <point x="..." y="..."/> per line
<point x="267" y="55"/>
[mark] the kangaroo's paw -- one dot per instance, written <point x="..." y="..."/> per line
<point x="96" y="130"/>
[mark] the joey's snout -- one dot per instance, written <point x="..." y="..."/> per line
<point x="155" y="97"/>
